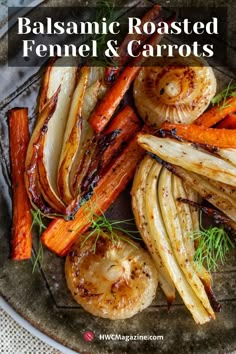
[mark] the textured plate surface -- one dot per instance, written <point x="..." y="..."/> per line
<point x="43" y="299"/>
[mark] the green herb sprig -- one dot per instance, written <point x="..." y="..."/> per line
<point x="221" y="98"/>
<point x="105" y="9"/>
<point x="213" y="246"/>
<point x="102" y="226"/>
<point x="38" y="221"/>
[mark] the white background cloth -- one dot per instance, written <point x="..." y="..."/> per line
<point x="14" y="339"/>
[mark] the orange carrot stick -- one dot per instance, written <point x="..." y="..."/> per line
<point x="126" y="123"/>
<point x="60" y="235"/>
<point x="228" y="123"/>
<point x="216" y="113"/>
<point x="223" y="138"/>
<point x="104" y="111"/>
<point x="22" y="219"/>
<point x="110" y="144"/>
<point x="150" y="16"/>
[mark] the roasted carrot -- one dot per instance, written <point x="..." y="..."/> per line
<point x="60" y="235"/>
<point x="121" y="129"/>
<point x="106" y="146"/>
<point x="223" y="138"/>
<point x="104" y="111"/>
<point x="126" y="124"/>
<point x="126" y="120"/>
<point x="110" y="144"/>
<point x="217" y="113"/>
<point x="150" y="16"/>
<point x="228" y="123"/>
<point x="22" y="219"/>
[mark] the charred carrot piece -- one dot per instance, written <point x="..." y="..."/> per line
<point x="121" y="129"/>
<point x="60" y="235"/>
<point x="217" y="113"/>
<point x="124" y="57"/>
<point x="124" y="126"/>
<point x="22" y="218"/>
<point x="126" y="120"/>
<point x="110" y="144"/>
<point x="103" y="113"/>
<point x="228" y="123"/>
<point x="223" y="138"/>
<point x="150" y="16"/>
<point x="105" y="110"/>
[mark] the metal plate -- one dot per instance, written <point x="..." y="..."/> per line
<point x="43" y="299"/>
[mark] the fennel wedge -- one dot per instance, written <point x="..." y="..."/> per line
<point x="32" y="184"/>
<point x="62" y="74"/>
<point x="72" y="137"/>
<point x="217" y="194"/>
<point x="139" y="210"/>
<point x="173" y="227"/>
<point x="87" y="147"/>
<point x="160" y="237"/>
<point x="189" y="221"/>
<point x="187" y="156"/>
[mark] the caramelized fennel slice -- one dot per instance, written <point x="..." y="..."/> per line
<point x="185" y="216"/>
<point x="97" y="74"/>
<point x="32" y="158"/>
<point x="47" y="192"/>
<point x="227" y="154"/>
<point x="173" y="227"/>
<point x="110" y="279"/>
<point x="63" y="75"/>
<point x="138" y="191"/>
<point x="44" y="89"/>
<point x="160" y="237"/>
<point x="191" y="194"/>
<point x="85" y="153"/>
<point x="185" y="155"/>
<point x="72" y="137"/>
<point x="219" y="197"/>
